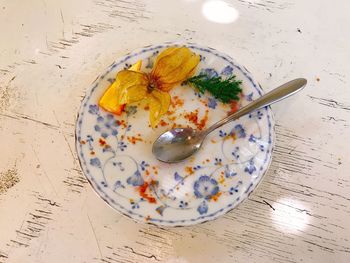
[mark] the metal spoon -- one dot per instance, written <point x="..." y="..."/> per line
<point x="180" y="143"/>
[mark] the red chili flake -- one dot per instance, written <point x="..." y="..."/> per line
<point x="102" y="142"/>
<point x="163" y="123"/>
<point x="121" y="123"/>
<point x="146" y="107"/>
<point x="234" y="107"/>
<point x="122" y="108"/>
<point x="192" y="116"/>
<point x="142" y="192"/>
<point x="170" y="112"/>
<point x="203" y="121"/>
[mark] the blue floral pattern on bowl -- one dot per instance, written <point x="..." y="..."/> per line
<point x="115" y="151"/>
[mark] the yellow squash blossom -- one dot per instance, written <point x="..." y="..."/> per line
<point x="172" y="66"/>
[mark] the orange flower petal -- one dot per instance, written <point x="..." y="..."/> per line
<point x="173" y="66"/>
<point x="159" y="103"/>
<point x="109" y="100"/>
<point x="132" y="86"/>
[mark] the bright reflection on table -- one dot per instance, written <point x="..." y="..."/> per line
<point x="289" y="216"/>
<point x="219" y="11"/>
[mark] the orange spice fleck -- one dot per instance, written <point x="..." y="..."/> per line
<point x="146" y="107"/>
<point x="170" y="112"/>
<point x="189" y="170"/>
<point x="193" y="117"/>
<point x="213" y="141"/>
<point x="147" y="218"/>
<point x="82" y="142"/>
<point x="176" y="101"/>
<point x="147" y="172"/>
<point x="207" y="160"/>
<point x="133" y="139"/>
<point x="221" y="179"/>
<point x="216" y="197"/>
<point x="121" y="123"/>
<point x="191" y="159"/>
<point x="172" y="118"/>
<point x="204" y="102"/>
<point x="232" y="136"/>
<point x="92" y="152"/>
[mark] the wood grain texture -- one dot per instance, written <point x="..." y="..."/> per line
<point x="53" y="50"/>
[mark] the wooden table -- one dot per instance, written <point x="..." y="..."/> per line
<point x="51" y="51"/>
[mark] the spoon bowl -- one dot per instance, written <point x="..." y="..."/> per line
<point x="180" y="143"/>
<point x="177" y="144"/>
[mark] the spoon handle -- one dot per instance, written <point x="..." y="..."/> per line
<point x="273" y="96"/>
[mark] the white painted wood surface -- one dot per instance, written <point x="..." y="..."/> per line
<point x="50" y="52"/>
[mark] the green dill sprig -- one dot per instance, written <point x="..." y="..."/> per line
<point x="224" y="90"/>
